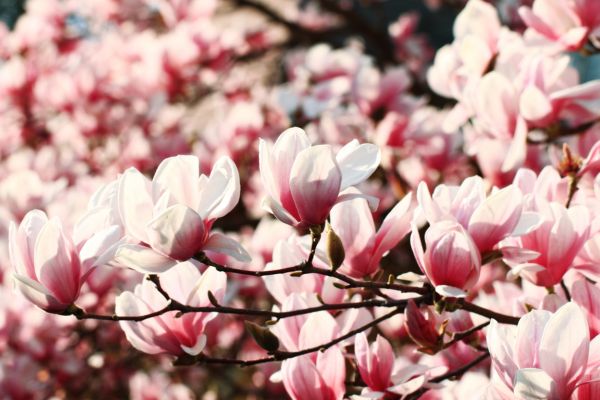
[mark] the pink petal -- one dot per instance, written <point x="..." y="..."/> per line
<point x="220" y="243"/>
<point x="57" y="267"/>
<point x="177" y="233"/>
<point x="394" y="228"/>
<point x="529" y="332"/>
<point x="496" y="218"/>
<point x="179" y="176"/>
<point x="142" y="259"/>
<point x="563" y="350"/>
<point x="315" y="183"/>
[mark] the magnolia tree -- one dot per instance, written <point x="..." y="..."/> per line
<point x="182" y="217"/>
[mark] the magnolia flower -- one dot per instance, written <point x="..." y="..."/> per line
<point x="169" y="219"/>
<point x="545" y="356"/>
<point x="48" y="269"/>
<point x="375" y="362"/>
<point x="168" y="332"/>
<point x="320" y="375"/>
<point x="383" y="375"/>
<point x="554" y="244"/>
<point x="364" y="247"/>
<point x="487" y="219"/>
<point x="451" y="260"/>
<point x="564" y="23"/>
<point x="304" y="182"/>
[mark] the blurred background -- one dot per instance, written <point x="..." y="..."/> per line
<point x="89" y="88"/>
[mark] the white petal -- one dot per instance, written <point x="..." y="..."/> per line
<point x="197" y="348"/>
<point x="357" y="162"/>
<point x="219" y="243"/>
<point x="95" y="251"/>
<point x="178" y="175"/>
<point x="221" y="192"/>
<point x="272" y="206"/>
<point x="347" y="195"/>
<point x="450" y="291"/>
<point x="534" y="384"/>
<point x="135" y="203"/>
<point x="142" y="259"/>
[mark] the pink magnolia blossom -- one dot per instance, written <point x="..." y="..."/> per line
<point x="422" y="327"/>
<point x="457" y="67"/>
<point x="566" y="24"/>
<point x="168" y="333"/>
<point x="169" y="219"/>
<point x="451" y="260"/>
<point x="304" y="182"/>
<point x="364" y="247"/>
<point x="550" y="92"/>
<point x="545" y="356"/>
<point x="587" y="296"/>
<point x="375" y="362"/>
<point x="47" y="267"/>
<point x="384" y="374"/>
<point x="553" y="245"/>
<point x="321" y="375"/>
<point x="487" y="219"/>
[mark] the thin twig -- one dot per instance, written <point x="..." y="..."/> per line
<point x="459" y="371"/>
<point x="284" y="355"/>
<point x="465" y="334"/>
<point x="501" y="318"/>
<point x="185" y="309"/>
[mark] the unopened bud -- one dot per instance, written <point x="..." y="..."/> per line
<point x="213" y="300"/>
<point x="422" y="330"/>
<point x="334" y="249"/>
<point x="263" y="336"/>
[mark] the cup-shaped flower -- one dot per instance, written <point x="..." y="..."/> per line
<point x="566" y="24"/>
<point x="167" y="333"/>
<point x="363" y="246"/>
<point x="47" y="267"/>
<point x="545" y="356"/>
<point x="451" y="260"/>
<point x="561" y="235"/>
<point x="318" y="375"/>
<point x="170" y="219"/>
<point x="488" y="219"/>
<point x="375" y="362"/>
<point x="303" y="182"/>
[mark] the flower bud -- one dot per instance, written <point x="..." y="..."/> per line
<point x="263" y="336"/>
<point x="423" y="330"/>
<point x="334" y="249"/>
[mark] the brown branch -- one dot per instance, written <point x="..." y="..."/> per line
<point x="284" y="355"/>
<point x="465" y="334"/>
<point x="185" y="309"/>
<point x="554" y="132"/>
<point x="501" y="318"/>
<point x="306" y="268"/>
<point x="449" y="375"/>
<point x="459" y="371"/>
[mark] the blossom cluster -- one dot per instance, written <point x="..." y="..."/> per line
<point x="392" y="223"/>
